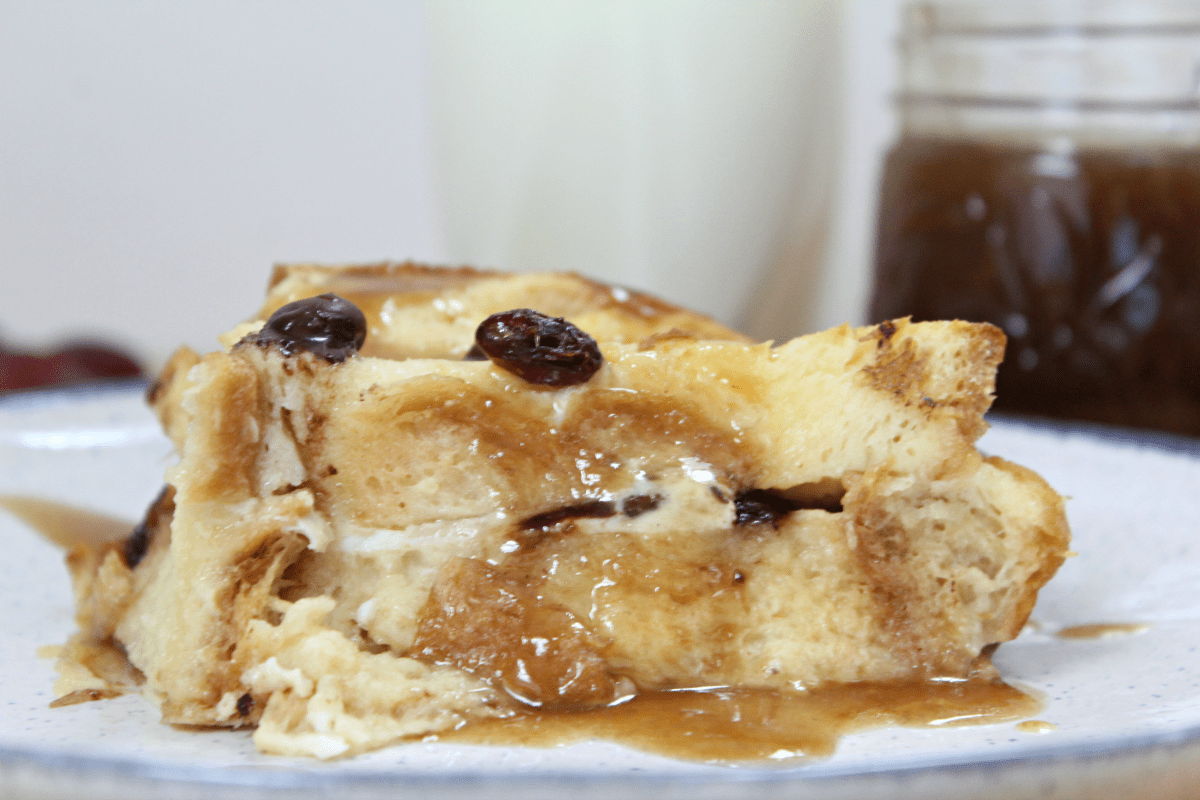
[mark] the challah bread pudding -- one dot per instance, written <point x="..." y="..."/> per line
<point x="409" y="500"/>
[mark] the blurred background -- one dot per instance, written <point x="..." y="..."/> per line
<point x="156" y="159"/>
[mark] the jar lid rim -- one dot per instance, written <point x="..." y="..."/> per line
<point x="1052" y="18"/>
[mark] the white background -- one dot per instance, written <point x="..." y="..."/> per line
<point x="157" y="158"/>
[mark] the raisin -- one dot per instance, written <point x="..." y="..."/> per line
<point x="639" y="504"/>
<point x="245" y="704"/>
<point x="134" y="548"/>
<point x="135" y="545"/>
<point x="548" y="519"/>
<point x="759" y="506"/>
<point x="327" y="326"/>
<point x="887" y="329"/>
<point x="548" y="351"/>
<point x="475" y="354"/>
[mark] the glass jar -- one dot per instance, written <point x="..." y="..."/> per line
<point x="1047" y="180"/>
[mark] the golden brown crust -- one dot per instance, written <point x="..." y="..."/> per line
<point x="226" y="445"/>
<point x="962" y="376"/>
<point x="415" y="310"/>
<point x="1049" y="548"/>
<point x="165" y="395"/>
<point x="390" y="276"/>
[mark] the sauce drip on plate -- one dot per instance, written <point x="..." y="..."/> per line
<point x="65" y="525"/>
<point x="732" y="725"/>
<point x="1101" y="630"/>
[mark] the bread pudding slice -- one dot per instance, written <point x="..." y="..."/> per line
<point x="356" y="550"/>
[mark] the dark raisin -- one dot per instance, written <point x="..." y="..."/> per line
<point x="245" y="704"/>
<point x="548" y="351"/>
<point x="639" y="504"/>
<point x="548" y="519"/>
<point x="887" y="329"/>
<point x="475" y="354"/>
<point x="327" y="326"/>
<point x="135" y="545"/>
<point x="759" y="506"/>
<point x="134" y="548"/>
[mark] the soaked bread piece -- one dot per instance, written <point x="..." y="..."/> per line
<point x="364" y="550"/>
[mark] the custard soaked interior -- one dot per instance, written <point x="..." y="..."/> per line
<point x="631" y="572"/>
<point x="647" y="560"/>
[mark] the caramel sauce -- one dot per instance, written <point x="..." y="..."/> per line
<point x="65" y="525"/>
<point x="1036" y="726"/>
<point x="502" y="631"/>
<point x="1101" y="630"/>
<point x="748" y="725"/>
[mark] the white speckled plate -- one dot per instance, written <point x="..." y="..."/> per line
<point x="1125" y="709"/>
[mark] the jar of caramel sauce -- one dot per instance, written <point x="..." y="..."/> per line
<point x="1047" y="180"/>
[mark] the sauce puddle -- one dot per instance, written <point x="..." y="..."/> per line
<point x="740" y="725"/>
<point x="65" y="525"/>
<point x="1101" y="630"/>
